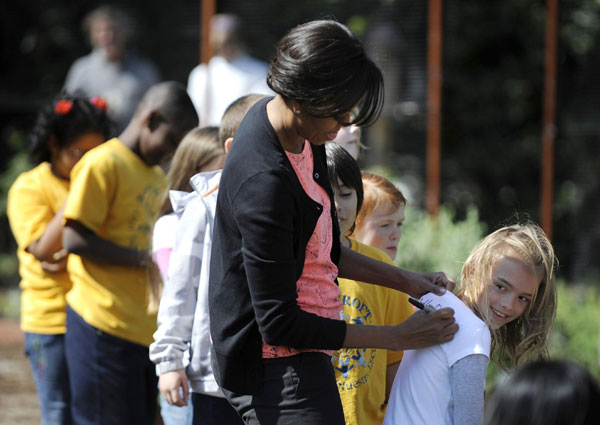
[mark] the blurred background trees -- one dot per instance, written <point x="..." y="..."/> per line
<point x="492" y="104"/>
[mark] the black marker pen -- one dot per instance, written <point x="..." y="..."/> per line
<point x="420" y="305"/>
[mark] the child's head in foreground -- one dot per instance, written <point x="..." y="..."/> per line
<point x="379" y="222"/>
<point x="508" y="280"/>
<point x="552" y="392"/>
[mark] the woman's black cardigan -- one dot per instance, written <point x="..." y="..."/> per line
<point x="263" y="222"/>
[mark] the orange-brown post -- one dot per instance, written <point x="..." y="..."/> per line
<point x="207" y="10"/>
<point x="548" y="131"/>
<point x="434" y="104"/>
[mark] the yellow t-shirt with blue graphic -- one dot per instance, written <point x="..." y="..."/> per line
<point x="361" y="372"/>
<point x="116" y="195"/>
<point x="33" y="200"/>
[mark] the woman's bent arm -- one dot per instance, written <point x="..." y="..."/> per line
<point x="418" y="331"/>
<point x="361" y="268"/>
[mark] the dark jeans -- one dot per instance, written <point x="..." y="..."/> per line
<point x="112" y="380"/>
<point x="300" y="389"/>
<point x="46" y="354"/>
<point x="209" y="410"/>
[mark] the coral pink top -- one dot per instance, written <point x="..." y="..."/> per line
<point x="317" y="291"/>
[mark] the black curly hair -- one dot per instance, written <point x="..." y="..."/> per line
<point x="66" y="118"/>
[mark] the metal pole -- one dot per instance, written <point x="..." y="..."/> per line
<point x="549" y="124"/>
<point x="434" y="103"/>
<point x="207" y="10"/>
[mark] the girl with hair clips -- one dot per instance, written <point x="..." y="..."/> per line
<point x="364" y="375"/>
<point x="274" y="301"/>
<point x="552" y="392"/>
<point x="506" y="304"/>
<point x="65" y="130"/>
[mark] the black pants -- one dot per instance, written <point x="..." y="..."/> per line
<point x="209" y="410"/>
<point x="300" y="389"/>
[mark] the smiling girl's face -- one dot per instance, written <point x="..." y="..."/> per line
<point x="512" y="287"/>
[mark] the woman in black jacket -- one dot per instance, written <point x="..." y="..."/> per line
<point x="274" y="301"/>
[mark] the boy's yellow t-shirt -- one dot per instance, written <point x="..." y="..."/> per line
<point x="361" y="372"/>
<point x="33" y="200"/>
<point x="115" y="194"/>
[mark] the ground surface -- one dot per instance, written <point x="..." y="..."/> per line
<point x="18" y="398"/>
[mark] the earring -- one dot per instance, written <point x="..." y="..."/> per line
<point x="297" y="112"/>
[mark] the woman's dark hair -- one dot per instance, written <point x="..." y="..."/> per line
<point x="64" y="120"/>
<point x="546" y="392"/>
<point x="323" y="66"/>
<point x="341" y="165"/>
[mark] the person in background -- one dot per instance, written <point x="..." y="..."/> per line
<point x="199" y="151"/>
<point x="364" y="376"/>
<point x="183" y="313"/>
<point x="64" y="131"/>
<point x="349" y="138"/>
<point x="113" y="69"/>
<point x="506" y="301"/>
<point x="116" y="190"/>
<point x="230" y="73"/>
<point x="380" y="220"/>
<point x="550" y="392"/>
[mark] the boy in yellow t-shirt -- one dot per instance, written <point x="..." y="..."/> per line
<point x="115" y="195"/>
<point x="362" y="373"/>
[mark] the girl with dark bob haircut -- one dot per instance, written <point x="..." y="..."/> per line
<point x="549" y="392"/>
<point x="274" y="300"/>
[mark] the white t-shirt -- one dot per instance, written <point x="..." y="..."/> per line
<point x="421" y="393"/>
<point x="227" y="81"/>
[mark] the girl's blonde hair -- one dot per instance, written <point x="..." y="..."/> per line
<point x="379" y="193"/>
<point x="527" y="337"/>
<point x="198" y="148"/>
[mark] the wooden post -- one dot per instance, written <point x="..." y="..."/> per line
<point x="207" y="10"/>
<point x="434" y="104"/>
<point x="549" y="125"/>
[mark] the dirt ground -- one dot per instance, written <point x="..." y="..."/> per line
<point x="18" y="398"/>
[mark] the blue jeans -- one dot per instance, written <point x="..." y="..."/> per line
<point x="112" y="380"/>
<point x="176" y="415"/>
<point x="46" y="354"/>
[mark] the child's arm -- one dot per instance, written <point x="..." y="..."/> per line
<point x="50" y="242"/>
<point x="355" y="266"/>
<point x="79" y="240"/>
<point x="467" y="379"/>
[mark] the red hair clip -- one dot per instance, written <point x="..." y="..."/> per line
<point x="63" y="107"/>
<point x="98" y="102"/>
